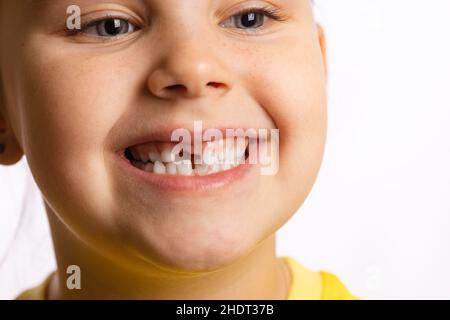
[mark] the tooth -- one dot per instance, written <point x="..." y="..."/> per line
<point x="201" y="169"/>
<point x="219" y="153"/>
<point x="214" y="168"/>
<point x="159" y="167"/>
<point x="238" y="161"/>
<point x="171" y="168"/>
<point x="143" y="156"/>
<point x="226" y="149"/>
<point x="219" y="149"/>
<point x="229" y="156"/>
<point x="154" y="156"/>
<point x="209" y="157"/>
<point x="198" y="159"/>
<point x="167" y="154"/>
<point x="225" y="166"/>
<point x="149" y="167"/>
<point x="185" y="168"/>
<point x="240" y="149"/>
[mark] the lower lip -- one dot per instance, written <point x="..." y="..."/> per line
<point x="167" y="182"/>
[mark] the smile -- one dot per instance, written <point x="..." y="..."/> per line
<point x="170" y="160"/>
<point x="184" y="160"/>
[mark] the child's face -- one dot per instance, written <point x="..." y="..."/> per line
<point x="74" y="101"/>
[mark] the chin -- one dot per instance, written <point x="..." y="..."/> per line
<point x="197" y="251"/>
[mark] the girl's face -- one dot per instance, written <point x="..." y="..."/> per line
<point x="76" y="100"/>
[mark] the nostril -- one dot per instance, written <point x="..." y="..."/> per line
<point x="214" y="84"/>
<point x="182" y="89"/>
<point x="177" y="87"/>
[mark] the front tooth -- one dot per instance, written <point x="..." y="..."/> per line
<point x="209" y="157"/>
<point x="240" y="160"/>
<point x="201" y="169"/>
<point x="229" y="156"/>
<point x="225" y="166"/>
<point x="185" y="168"/>
<point x="171" y="168"/>
<point x="154" y="156"/>
<point x="167" y="155"/>
<point x="159" y="167"/>
<point x="240" y="149"/>
<point x="149" y="167"/>
<point x="214" y="168"/>
<point x="224" y="150"/>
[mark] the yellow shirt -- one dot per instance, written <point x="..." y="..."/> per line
<point x="305" y="285"/>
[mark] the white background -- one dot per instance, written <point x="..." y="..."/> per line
<point x="379" y="214"/>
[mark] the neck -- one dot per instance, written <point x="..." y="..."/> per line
<point x="258" y="275"/>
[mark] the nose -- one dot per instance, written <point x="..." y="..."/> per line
<point x="189" y="70"/>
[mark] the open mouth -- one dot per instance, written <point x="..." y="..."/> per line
<point x="185" y="160"/>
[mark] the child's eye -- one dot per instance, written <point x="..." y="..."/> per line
<point x="109" y="27"/>
<point x="253" y="18"/>
<point x="247" y="19"/>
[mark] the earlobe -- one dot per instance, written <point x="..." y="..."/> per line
<point x="323" y="47"/>
<point x="10" y="150"/>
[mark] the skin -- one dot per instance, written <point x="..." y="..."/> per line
<point x="66" y="101"/>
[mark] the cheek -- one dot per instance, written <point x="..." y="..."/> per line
<point x="69" y="107"/>
<point x="291" y="88"/>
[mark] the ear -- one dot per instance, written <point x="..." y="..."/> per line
<point x="10" y="149"/>
<point x="323" y="47"/>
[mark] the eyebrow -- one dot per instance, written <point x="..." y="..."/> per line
<point x="38" y="3"/>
